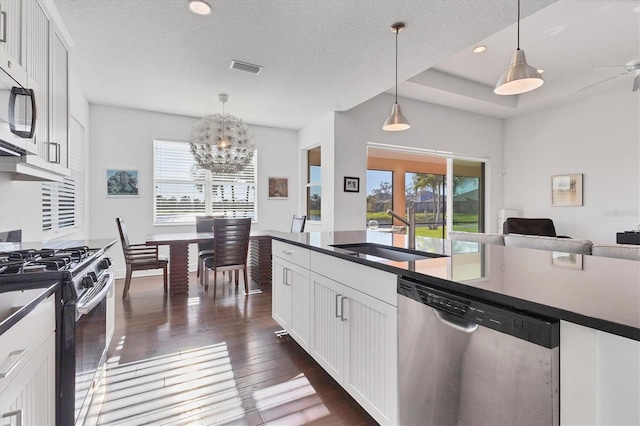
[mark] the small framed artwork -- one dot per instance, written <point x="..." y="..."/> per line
<point x="278" y="188"/>
<point x="566" y="190"/>
<point x="566" y="260"/>
<point x="351" y="184"/>
<point x="122" y="183"/>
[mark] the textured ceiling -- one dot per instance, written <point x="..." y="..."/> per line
<point x="318" y="56"/>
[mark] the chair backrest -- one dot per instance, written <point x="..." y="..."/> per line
<point x="620" y="251"/>
<point x="231" y="241"/>
<point x="204" y="224"/>
<point x="529" y="226"/>
<point x="566" y="245"/>
<point x="297" y="224"/>
<point x="124" y="238"/>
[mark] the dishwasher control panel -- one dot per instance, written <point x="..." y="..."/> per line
<point x="542" y="331"/>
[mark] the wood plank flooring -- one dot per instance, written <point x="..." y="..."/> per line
<point x="188" y="359"/>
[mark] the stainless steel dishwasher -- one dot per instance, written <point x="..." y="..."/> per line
<point x="467" y="362"/>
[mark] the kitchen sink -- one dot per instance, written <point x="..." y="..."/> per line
<point x="385" y="252"/>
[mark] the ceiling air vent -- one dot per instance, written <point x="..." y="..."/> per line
<point x="243" y="66"/>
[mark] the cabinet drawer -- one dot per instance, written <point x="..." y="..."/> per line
<point x="291" y="253"/>
<point x="374" y="282"/>
<point x="20" y="343"/>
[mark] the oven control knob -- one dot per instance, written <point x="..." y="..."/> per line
<point x="105" y="263"/>
<point x="88" y="282"/>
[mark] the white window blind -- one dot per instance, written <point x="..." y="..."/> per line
<point x="63" y="203"/>
<point x="183" y="191"/>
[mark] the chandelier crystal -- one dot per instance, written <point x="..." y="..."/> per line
<point x="222" y="143"/>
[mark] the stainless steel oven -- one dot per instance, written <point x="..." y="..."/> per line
<point x="90" y="343"/>
<point x="85" y="292"/>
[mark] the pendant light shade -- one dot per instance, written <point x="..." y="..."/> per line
<point x="520" y="77"/>
<point x="396" y="121"/>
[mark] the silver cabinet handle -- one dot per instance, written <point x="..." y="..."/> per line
<point x="288" y="276"/>
<point x="284" y="276"/>
<point x="17" y="414"/>
<point x="13" y="360"/>
<point x="342" y="318"/>
<point x="337" y="303"/>
<point x="4" y="27"/>
<point x="287" y="251"/>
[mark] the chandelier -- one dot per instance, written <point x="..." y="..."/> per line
<point x="222" y="143"/>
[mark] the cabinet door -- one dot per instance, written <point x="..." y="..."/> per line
<point x="37" y="67"/>
<point x="60" y="101"/>
<point x="280" y="293"/>
<point x="30" y="397"/>
<point x="327" y="328"/>
<point x="371" y="357"/>
<point x="298" y="279"/>
<point x="11" y="28"/>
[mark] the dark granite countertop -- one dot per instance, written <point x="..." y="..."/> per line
<point x="597" y="292"/>
<point x="16" y="301"/>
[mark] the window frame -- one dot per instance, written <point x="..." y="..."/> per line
<point x="208" y="182"/>
<point x="313" y="185"/>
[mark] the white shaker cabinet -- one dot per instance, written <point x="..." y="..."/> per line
<point x="27" y="369"/>
<point x="354" y="338"/>
<point x="12" y="57"/>
<point x="290" y="291"/>
<point x="345" y="316"/>
<point x="59" y="131"/>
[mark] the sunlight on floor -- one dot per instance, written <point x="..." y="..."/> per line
<point x="197" y="386"/>
<point x="298" y="394"/>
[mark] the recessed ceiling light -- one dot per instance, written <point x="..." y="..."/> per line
<point x="479" y="49"/>
<point x="199" y="7"/>
<point x="540" y="71"/>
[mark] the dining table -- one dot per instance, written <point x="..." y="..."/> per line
<point x="178" y="243"/>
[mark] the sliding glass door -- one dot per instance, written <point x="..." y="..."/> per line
<point x="467" y="197"/>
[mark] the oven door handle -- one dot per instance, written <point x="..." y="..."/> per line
<point x="87" y="307"/>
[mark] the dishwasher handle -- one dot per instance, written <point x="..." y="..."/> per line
<point x="455" y="322"/>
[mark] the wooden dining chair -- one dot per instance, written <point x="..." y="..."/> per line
<point x="230" y="248"/>
<point x="140" y="257"/>
<point x="205" y="250"/>
<point x="297" y="223"/>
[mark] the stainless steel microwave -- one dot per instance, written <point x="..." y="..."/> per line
<point x="17" y="117"/>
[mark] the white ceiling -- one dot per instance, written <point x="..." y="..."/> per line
<point x="331" y="55"/>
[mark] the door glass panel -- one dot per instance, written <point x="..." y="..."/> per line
<point x="426" y="192"/>
<point x="468" y="201"/>
<point x="379" y="198"/>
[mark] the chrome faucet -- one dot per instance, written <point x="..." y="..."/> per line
<point x="411" y="224"/>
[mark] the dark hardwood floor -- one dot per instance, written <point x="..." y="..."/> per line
<point x="188" y="359"/>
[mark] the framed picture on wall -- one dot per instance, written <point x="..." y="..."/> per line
<point x="566" y="190"/>
<point x="122" y="183"/>
<point x="278" y="188"/>
<point x="351" y="184"/>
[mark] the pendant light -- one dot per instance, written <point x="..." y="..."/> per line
<point x="520" y="77"/>
<point x="396" y="121"/>
<point x="222" y="143"/>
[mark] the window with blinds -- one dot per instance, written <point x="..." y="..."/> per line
<point x="183" y="191"/>
<point x="63" y="203"/>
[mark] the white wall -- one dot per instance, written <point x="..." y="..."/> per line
<point x="432" y="127"/>
<point x="319" y="133"/>
<point x="598" y="137"/>
<point x="123" y="139"/>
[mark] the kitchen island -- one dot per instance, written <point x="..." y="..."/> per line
<point x="596" y="299"/>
